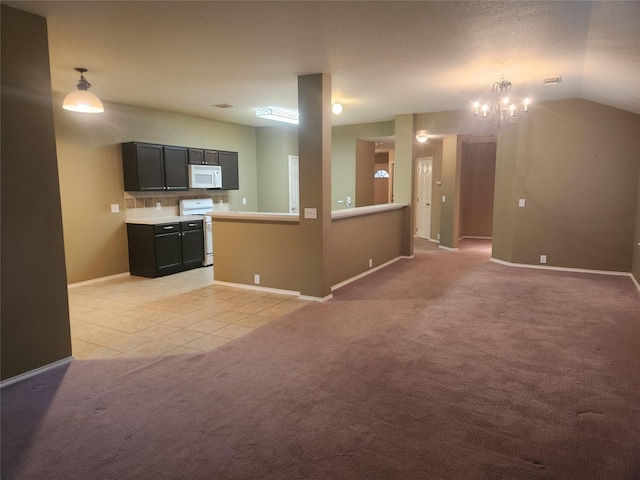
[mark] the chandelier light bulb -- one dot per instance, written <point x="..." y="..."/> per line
<point x="336" y="108"/>
<point x="501" y="111"/>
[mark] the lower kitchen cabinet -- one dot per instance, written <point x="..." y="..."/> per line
<point x="165" y="248"/>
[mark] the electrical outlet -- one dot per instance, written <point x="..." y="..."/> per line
<point x="311" y="213"/>
<point x="543" y="259"/>
<point x="438" y="236"/>
<point x="521" y="202"/>
<point x="256" y="279"/>
<point x="244" y="201"/>
<point x="115" y="208"/>
<point x="159" y="205"/>
<point x="370" y="262"/>
<point x="444" y="199"/>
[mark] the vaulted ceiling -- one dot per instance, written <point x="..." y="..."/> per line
<point x="385" y="57"/>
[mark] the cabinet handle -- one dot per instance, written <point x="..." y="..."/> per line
<point x="192" y="224"/>
<point x="168" y="228"/>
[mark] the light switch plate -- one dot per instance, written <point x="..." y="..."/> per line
<point x="311" y="213"/>
<point x="444" y="199"/>
<point x="521" y="202"/>
<point x="115" y="208"/>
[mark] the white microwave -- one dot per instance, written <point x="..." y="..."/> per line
<point x="205" y="176"/>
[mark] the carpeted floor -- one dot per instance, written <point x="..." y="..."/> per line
<point x="446" y="366"/>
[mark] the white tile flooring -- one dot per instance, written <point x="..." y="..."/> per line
<point x="181" y="313"/>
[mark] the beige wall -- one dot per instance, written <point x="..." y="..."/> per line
<point x="576" y="164"/>
<point x="477" y="179"/>
<point x="90" y="169"/>
<point x="273" y="147"/>
<point x="356" y="240"/>
<point x="353" y="241"/>
<point x="35" y="312"/>
<point x="244" y="249"/>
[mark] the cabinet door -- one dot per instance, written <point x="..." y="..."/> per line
<point x="192" y="247"/>
<point x="196" y="156"/>
<point x="210" y="157"/>
<point x="176" y="172"/>
<point x="168" y="251"/>
<point x="229" y="163"/>
<point x="149" y="166"/>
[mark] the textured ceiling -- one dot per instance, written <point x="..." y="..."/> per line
<point x="385" y="57"/>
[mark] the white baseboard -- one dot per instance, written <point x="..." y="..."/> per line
<point x="364" y="274"/>
<point x="475" y="238"/>
<point x="34" y="372"/>
<point x="256" y="288"/>
<point x="316" y="299"/>
<point x="98" y="280"/>
<point x="449" y="249"/>
<point x="566" y="269"/>
<point x="434" y="240"/>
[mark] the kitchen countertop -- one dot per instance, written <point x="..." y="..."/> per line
<point x="292" y="217"/>
<point x="170" y="219"/>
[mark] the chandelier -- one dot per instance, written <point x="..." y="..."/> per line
<point x="501" y="111"/>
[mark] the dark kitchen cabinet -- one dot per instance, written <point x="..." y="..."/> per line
<point x="198" y="156"/>
<point x="192" y="243"/>
<point x="165" y="248"/>
<point x="154" y="167"/>
<point x="229" y="163"/>
<point x="176" y="172"/>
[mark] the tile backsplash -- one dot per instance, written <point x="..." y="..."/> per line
<point x="165" y="204"/>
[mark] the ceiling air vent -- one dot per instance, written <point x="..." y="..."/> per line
<point x="224" y="105"/>
<point x="552" y="80"/>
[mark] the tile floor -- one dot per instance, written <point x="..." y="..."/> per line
<point x="176" y="314"/>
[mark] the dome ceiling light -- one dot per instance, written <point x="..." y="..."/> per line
<point x="82" y="100"/>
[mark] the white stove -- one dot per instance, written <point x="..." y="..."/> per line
<point x="201" y="206"/>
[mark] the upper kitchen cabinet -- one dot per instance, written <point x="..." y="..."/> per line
<point x="154" y="167"/>
<point x="199" y="156"/>
<point x="229" y="163"/>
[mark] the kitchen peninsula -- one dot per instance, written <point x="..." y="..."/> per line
<point x="262" y="249"/>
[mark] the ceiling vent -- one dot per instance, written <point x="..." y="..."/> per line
<point x="224" y="105"/>
<point x="552" y="80"/>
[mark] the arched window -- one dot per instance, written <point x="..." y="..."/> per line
<point x="381" y="174"/>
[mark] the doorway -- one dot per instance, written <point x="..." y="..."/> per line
<point x="424" y="173"/>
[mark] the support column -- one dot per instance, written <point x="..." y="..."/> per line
<point x="450" y="213"/>
<point x="314" y="151"/>
<point x="403" y="176"/>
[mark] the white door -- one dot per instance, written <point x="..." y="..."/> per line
<point x="424" y="168"/>
<point x="294" y="185"/>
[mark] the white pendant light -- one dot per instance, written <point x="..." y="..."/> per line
<point x="82" y="100"/>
